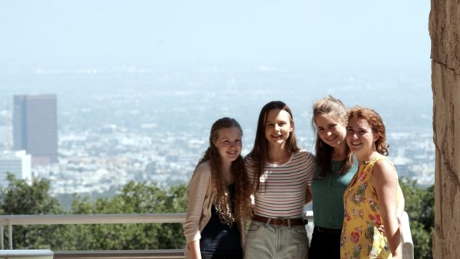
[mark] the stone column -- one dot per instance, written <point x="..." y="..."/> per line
<point x="444" y="29"/>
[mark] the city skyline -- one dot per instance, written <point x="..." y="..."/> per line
<point x="161" y="72"/>
<point x="126" y="129"/>
<point x="132" y="48"/>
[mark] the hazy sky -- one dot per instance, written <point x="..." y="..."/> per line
<point x="358" y="32"/>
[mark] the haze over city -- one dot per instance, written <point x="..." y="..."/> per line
<point x="166" y="70"/>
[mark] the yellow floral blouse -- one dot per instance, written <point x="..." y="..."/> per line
<point x="360" y="235"/>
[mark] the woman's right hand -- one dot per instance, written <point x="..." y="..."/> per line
<point x="194" y="248"/>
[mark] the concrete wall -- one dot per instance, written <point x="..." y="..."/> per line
<point x="444" y="28"/>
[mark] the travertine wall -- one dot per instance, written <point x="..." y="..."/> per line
<point x="444" y="28"/>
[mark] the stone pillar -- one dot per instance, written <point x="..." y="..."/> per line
<point x="444" y="29"/>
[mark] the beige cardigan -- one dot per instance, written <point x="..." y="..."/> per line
<point x="199" y="203"/>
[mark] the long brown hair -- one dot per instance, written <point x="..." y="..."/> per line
<point x="259" y="152"/>
<point x="242" y="200"/>
<point x="376" y="123"/>
<point x="333" y="108"/>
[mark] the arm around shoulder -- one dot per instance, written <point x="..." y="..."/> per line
<point x="308" y="195"/>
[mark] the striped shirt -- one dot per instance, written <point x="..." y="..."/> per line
<point x="283" y="186"/>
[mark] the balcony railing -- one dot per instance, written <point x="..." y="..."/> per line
<point x="11" y="220"/>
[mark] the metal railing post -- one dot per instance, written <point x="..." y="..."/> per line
<point x="10" y="236"/>
<point x="2" y="237"/>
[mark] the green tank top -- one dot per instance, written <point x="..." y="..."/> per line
<point x="328" y="196"/>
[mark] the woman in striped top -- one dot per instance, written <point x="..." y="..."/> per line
<point x="281" y="173"/>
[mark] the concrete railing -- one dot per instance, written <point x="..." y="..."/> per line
<point x="11" y="220"/>
<point x="27" y="254"/>
<point x="159" y="218"/>
<point x="406" y="236"/>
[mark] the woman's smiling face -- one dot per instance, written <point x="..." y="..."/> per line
<point x="330" y="130"/>
<point x="229" y="143"/>
<point x="360" y="137"/>
<point x="278" y="126"/>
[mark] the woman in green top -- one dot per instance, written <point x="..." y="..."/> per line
<point x="336" y="169"/>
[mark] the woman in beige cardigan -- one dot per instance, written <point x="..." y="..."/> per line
<point x="219" y="197"/>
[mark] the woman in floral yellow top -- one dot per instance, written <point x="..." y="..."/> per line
<point x="371" y="199"/>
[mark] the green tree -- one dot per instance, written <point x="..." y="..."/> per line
<point x="133" y="198"/>
<point x="420" y="208"/>
<point x="171" y="234"/>
<point x="22" y="198"/>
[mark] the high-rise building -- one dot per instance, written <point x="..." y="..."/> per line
<point x="16" y="163"/>
<point x="35" y="127"/>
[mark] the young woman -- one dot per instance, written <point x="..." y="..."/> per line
<point x="280" y="172"/>
<point x="219" y="197"/>
<point x="373" y="195"/>
<point x="335" y="170"/>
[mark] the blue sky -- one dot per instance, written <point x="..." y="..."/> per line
<point x="313" y="32"/>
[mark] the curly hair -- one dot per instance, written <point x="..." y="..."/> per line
<point x="242" y="206"/>
<point x="376" y="123"/>
<point x="334" y="108"/>
<point x="259" y="152"/>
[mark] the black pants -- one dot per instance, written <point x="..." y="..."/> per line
<point x="325" y="244"/>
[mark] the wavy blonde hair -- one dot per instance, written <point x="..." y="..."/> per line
<point x="243" y="189"/>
